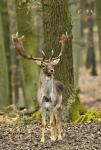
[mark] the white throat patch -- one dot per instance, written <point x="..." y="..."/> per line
<point x="47" y="78"/>
<point x="47" y="104"/>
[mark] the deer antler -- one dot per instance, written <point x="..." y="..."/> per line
<point x="63" y="39"/>
<point x="51" y="55"/>
<point x="18" y="43"/>
<point x="43" y="53"/>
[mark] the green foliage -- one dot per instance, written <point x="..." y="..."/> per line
<point x="90" y="115"/>
<point x="79" y="114"/>
<point x="36" y="115"/>
<point x="76" y="109"/>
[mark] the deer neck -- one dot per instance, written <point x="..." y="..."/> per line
<point x="46" y="84"/>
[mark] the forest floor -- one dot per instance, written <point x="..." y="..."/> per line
<point x="21" y="135"/>
<point x="90" y="89"/>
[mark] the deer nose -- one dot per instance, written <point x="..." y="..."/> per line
<point x="51" y="70"/>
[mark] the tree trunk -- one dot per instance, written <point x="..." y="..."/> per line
<point x="4" y="81"/>
<point x="26" y="27"/>
<point x="98" y="13"/>
<point x="15" y="63"/>
<point x="38" y="19"/>
<point x="76" y="32"/>
<point x="5" y="22"/>
<point x="91" y="57"/>
<point x="56" y="21"/>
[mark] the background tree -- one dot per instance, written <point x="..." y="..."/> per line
<point x="56" y="21"/>
<point x="98" y="14"/>
<point x="15" y="64"/>
<point x="74" y="7"/>
<point x="91" y="57"/>
<point x="4" y="81"/>
<point x="25" y="20"/>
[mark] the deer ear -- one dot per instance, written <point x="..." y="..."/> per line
<point x="55" y="62"/>
<point x="38" y="62"/>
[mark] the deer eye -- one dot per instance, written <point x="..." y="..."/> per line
<point x="42" y="66"/>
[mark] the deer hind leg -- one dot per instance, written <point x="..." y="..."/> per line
<point x="43" y="126"/>
<point x="53" y="126"/>
<point x="58" y="125"/>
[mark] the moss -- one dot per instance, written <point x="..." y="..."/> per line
<point x="77" y="109"/>
<point x="79" y="114"/>
<point x="90" y="115"/>
<point x="72" y="109"/>
<point x="36" y="115"/>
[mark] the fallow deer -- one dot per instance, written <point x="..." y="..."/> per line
<point x="50" y="92"/>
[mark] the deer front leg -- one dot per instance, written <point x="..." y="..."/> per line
<point x="52" y="126"/>
<point x="43" y="113"/>
<point x="58" y="124"/>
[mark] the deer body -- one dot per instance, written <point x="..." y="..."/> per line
<point x="50" y="92"/>
<point x="50" y="98"/>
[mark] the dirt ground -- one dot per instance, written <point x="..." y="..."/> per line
<point x="90" y="89"/>
<point x="27" y="137"/>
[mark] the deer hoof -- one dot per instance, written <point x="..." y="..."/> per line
<point x="59" y="137"/>
<point x="42" y="140"/>
<point x="53" y="138"/>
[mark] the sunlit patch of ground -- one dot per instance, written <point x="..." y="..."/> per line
<point x="90" y="89"/>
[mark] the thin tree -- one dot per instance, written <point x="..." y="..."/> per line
<point x="26" y="26"/>
<point x="15" y="64"/>
<point x="5" y="28"/>
<point x="4" y="81"/>
<point x="91" y="56"/>
<point x="98" y="14"/>
<point x="74" y="7"/>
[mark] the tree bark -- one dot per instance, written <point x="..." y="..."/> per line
<point x="26" y="27"/>
<point x="15" y="63"/>
<point x="4" y="81"/>
<point x="98" y="13"/>
<point x="5" y="24"/>
<point x="91" y="56"/>
<point x="56" y="21"/>
<point x="76" y="32"/>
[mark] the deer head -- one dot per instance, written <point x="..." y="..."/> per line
<point x="47" y="65"/>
